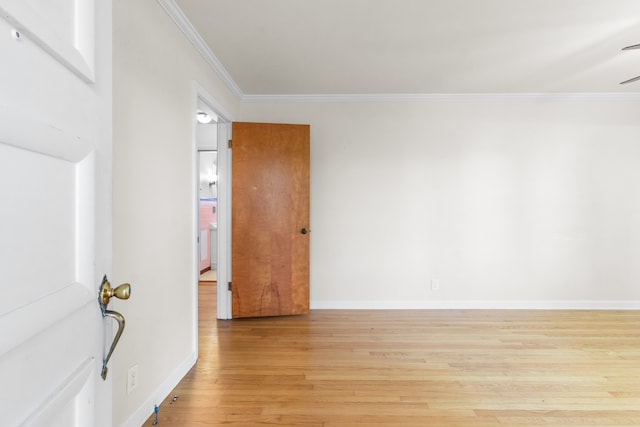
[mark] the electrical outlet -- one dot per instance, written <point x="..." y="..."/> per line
<point x="132" y="378"/>
<point x="435" y="284"/>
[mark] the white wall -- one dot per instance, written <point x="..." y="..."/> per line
<point x="531" y="202"/>
<point x="208" y="172"/>
<point x="207" y="136"/>
<point x="154" y="231"/>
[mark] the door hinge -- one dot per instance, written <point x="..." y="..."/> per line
<point x="230" y="143"/>
<point x="230" y="286"/>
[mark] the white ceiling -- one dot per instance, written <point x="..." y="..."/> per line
<point x="295" y="47"/>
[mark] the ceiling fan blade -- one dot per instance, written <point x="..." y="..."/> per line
<point x="633" y="46"/>
<point x="635" y="79"/>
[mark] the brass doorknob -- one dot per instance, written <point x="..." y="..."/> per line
<point x="106" y="292"/>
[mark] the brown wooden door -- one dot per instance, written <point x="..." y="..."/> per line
<point x="270" y="219"/>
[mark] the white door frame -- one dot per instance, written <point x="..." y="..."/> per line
<point x="223" y="306"/>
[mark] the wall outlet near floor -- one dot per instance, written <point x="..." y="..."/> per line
<point x="132" y="378"/>
<point x="435" y="284"/>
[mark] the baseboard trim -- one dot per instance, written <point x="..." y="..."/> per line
<point x="140" y="416"/>
<point x="476" y="305"/>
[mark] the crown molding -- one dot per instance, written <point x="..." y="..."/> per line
<point x="426" y="97"/>
<point x="174" y="11"/>
<point x="194" y="37"/>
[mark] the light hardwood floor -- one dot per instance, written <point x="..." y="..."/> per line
<point x="413" y="368"/>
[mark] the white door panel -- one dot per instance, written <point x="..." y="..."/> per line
<point x="55" y="134"/>
<point x="48" y="371"/>
<point x="65" y="29"/>
<point x="42" y="254"/>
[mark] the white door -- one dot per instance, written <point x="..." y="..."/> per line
<point x="55" y="211"/>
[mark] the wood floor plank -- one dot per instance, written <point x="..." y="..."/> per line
<point x="442" y="368"/>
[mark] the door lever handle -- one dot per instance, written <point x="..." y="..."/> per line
<point x="120" y="318"/>
<point x="106" y="292"/>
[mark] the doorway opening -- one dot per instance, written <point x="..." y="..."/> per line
<point x="212" y="200"/>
